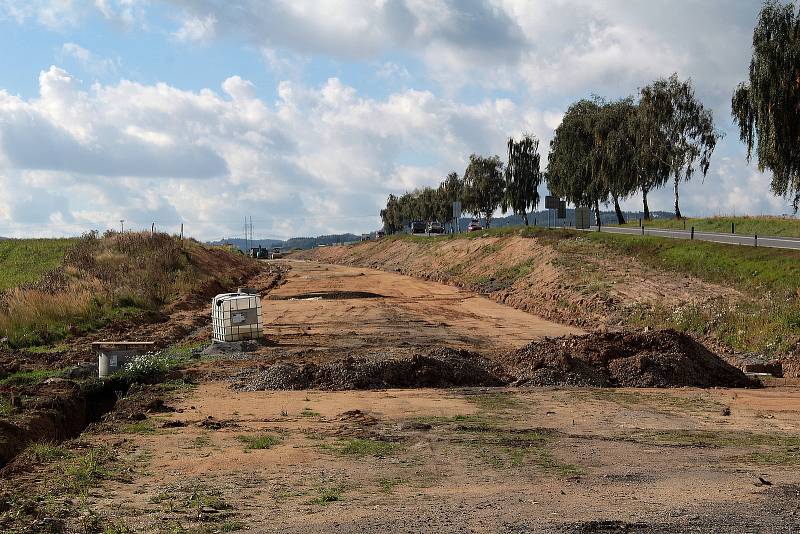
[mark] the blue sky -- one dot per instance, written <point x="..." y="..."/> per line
<point x="306" y="114"/>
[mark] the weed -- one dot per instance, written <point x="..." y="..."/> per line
<point x="263" y="441"/>
<point x="231" y="526"/>
<point x="308" y="412"/>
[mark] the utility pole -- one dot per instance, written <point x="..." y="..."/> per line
<point x="122" y="226"/>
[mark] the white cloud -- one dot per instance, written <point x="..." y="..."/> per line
<point x="197" y="29"/>
<point x="88" y="61"/>
<point x="320" y="159"/>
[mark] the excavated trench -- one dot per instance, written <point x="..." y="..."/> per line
<point x="54" y="411"/>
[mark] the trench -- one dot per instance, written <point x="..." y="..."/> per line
<point x="62" y="412"/>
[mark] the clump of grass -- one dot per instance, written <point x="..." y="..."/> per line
<point x="308" y="412"/>
<point x="46" y="452"/>
<point x="360" y="448"/>
<point x="28" y="378"/>
<point x="328" y="495"/>
<point x="87" y="470"/>
<point x="263" y="441"/>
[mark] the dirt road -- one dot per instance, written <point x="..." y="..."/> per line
<point x="326" y="306"/>
<point x="457" y="460"/>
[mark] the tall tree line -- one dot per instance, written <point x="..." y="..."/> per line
<point x="606" y="151"/>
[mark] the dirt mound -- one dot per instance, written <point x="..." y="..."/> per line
<point x="664" y="358"/>
<point x="437" y="368"/>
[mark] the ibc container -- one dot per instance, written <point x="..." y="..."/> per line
<point x="236" y="316"/>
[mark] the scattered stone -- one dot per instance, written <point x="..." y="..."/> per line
<point x="725" y="412"/>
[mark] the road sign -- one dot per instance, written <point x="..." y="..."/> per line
<point x="551" y="202"/>
<point x="457" y="209"/>
<point x="562" y="209"/>
<point x="582" y="218"/>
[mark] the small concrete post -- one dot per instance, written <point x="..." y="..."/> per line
<point x="733" y="228"/>
<point x="684" y="224"/>
<point x="755" y="240"/>
<point x="692" y="233"/>
<point x="642" y="229"/>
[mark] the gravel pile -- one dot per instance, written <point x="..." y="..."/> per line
<point x="664" y="358"/>
<point x="437" y="368"/>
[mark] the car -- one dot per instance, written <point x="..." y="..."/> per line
<point x="379" y="234"/>
<point x="417" y="227"/>
<point x="276" y="254"/>
<point x="474" y="226"/>
<point x="435" y="228"/>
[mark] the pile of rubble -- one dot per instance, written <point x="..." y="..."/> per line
<point x="663" y="358"/>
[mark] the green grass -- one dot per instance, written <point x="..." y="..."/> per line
<point x="328" y="495"/>
<point x="263" y="441"/>
<point x="361" y="448"/>
<point x="308" y="412"/>
<point x="28" y="378"/>
<point x="23" y="261"/>
<point x="46" y="452"/>
<point x="766" y="226"/>
<point x="746" y="268"/>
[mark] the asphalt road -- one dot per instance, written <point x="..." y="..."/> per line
<point x="730" y="239"/>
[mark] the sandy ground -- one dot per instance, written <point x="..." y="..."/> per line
<point x="455" y="460"/>
<point x="405" y="311"/>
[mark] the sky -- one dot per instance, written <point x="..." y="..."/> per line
<point x="306" y="114"/>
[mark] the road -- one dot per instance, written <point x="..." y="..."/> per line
<point x="791" y="243"/>
<point x="335" y="307"/>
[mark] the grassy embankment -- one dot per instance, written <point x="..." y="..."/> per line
<point x="763" y="226"/>
<point x="23" y="261"/>
<point x="54" y="289"/>
<point x="765" y="320"/>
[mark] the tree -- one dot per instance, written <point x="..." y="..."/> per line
<point x="522" y="176"/>
<point x="391" y="216"/>
<point x="767" y="107"/>
<point x="451" y="190"/>
<point x="651" y="158"/>
<point x="685" y="125"/>
<point x="614" y="156"/>
<point x="572" y="164"/>
<point x="484" y="186"/>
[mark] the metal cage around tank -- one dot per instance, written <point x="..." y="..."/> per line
<point x="236" y="317"/>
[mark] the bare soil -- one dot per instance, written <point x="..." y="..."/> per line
<point x="458" y="459"/>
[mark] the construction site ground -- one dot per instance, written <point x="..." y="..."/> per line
<point x="214" y="458"/>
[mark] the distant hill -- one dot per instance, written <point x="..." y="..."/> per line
<point x="295" y="242"/>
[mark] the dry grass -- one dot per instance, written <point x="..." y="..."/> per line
<point x="102" y="279"/>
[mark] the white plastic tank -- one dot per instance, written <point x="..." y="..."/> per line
<point x="236" y="316"/>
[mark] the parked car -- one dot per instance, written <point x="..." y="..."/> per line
<point x="418" y="227"/>
<point x="435" y="228"/>
<point x="379" y="234"/>
<point x="474" y="226"/>
<point x="276" y="254"/>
